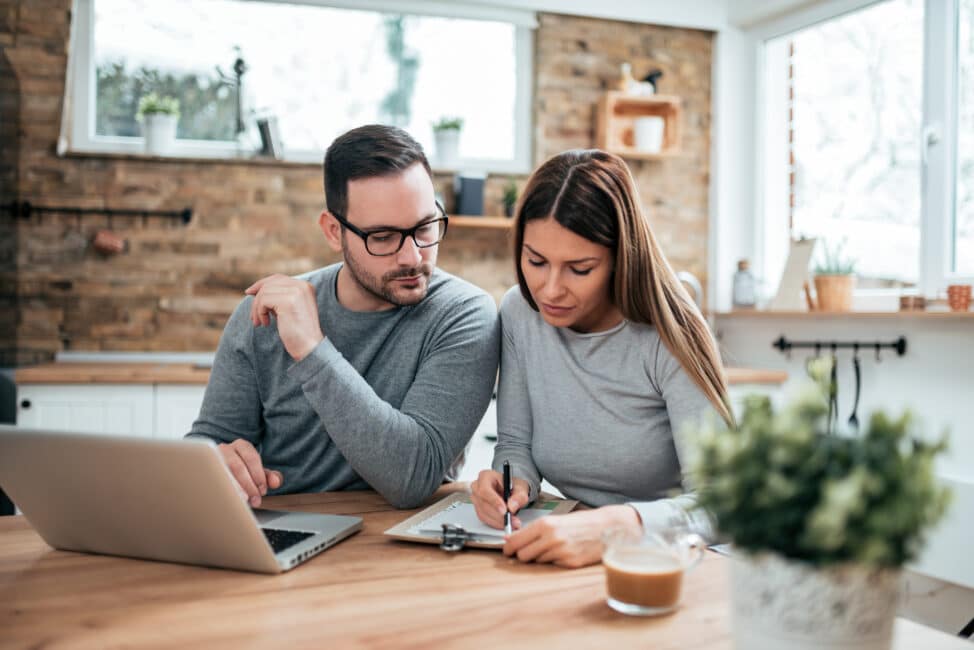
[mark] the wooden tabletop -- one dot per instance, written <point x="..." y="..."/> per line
<point x="366" y="592"/>
<point x="186" y="373"/>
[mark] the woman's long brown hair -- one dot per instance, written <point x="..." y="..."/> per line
<point x="592" y="193"/>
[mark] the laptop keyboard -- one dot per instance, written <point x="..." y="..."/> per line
<point x="284" y="539"/>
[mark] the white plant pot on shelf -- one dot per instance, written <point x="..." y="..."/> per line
<point x="447" y="145"/>
<point x="159" y="130"/>
<point x="648" y="133"/>
<point x="781" y="603"/>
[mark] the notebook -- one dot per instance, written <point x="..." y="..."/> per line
<point x="457" y="509"/>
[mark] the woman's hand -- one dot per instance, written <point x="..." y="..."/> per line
<point x="487" y="494"/>
<point x="571" y="541"/>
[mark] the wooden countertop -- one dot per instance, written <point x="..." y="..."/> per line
<point x="755" y="376"/>
<point x="113" y="373"/>
<point x="185" y="373"/>
<point x="367" y="592"/>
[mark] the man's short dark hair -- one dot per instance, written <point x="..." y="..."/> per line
<point x="365" y="152"/>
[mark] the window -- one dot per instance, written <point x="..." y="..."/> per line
<point x="851" y="137"/>
<point x="868" y="142"/>
<point x="319" y="70"/>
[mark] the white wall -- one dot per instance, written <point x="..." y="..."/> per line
<point x="935" y="379"/>
<point x="733" y="159"/>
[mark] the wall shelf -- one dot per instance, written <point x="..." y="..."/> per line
<point x="616" y="116"/>
<point x="498" y="223"/>
<point x="837" y="315"/>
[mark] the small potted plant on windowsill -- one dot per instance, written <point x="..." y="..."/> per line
<point x="835" y="280"/>
<point x="159" y="116"/>
<point x="446" y="136"/>
<point x="820" y="523"/>
<point x="509" y="197"/>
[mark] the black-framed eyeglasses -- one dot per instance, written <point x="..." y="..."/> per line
<point x="388" y="241"/>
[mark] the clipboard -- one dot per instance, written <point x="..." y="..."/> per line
<point x="434" y="525"/>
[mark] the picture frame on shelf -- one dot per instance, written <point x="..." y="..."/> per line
<point x="270" y="138"/>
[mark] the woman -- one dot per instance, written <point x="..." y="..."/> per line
<point x="605" y="359"/>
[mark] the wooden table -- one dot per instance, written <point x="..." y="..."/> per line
<point x="367" y="592"/>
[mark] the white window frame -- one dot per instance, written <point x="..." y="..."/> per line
<point x="938" y="139"/>
<point x="82" y="122"/>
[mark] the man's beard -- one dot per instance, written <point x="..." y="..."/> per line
<point x="383" y="288"/>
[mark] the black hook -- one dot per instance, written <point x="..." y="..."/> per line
<point x="878" y="359"/>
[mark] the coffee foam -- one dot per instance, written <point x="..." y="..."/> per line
<point x="641" y="560"/>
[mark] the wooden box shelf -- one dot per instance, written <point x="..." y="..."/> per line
<point x="617" y="113"/>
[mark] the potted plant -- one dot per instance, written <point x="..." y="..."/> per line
<point x="509" y="198"/>
<point x="446" y="136"/>
<point x="820" y="523"/>
<point x="835" y="280"/>
<point x="159" y="116"/>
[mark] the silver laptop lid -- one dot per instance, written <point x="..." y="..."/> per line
<point x="171" y="500"/>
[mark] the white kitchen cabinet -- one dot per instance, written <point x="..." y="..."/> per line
<point x="148" y="410"/>
<point x="737" y="393"/>
<point x="177" y="407"/>
<point x="124" y="409"/>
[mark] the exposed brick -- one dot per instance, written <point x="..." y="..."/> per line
<point x="175" y="286"/>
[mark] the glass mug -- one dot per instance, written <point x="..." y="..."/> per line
<point x="644" y="571"/>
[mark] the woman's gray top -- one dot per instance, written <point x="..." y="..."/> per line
<point x="598" y="415"/>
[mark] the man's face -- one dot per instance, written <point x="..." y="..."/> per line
<point x="399" y="201"/>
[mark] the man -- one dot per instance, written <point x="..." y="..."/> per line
<point x="369" y="373"/>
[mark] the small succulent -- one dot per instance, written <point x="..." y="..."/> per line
<point x="510" y="193"/>
<point x="833" y="262"/>
<point x="448" y="124"/>
<point x="152" y="103"/>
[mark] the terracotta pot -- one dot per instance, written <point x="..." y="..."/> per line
<point x="782" y="603"/>
<point x="959" y="297"/>
<point x="834" y="292"/>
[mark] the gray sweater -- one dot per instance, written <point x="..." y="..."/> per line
<point x="597" y="415"/>
<point x="387" y="400"/>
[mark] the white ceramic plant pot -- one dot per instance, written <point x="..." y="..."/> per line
<point x="780" y="603"/>
<point x="447" y="143"/>
<point x="159" y="130"/>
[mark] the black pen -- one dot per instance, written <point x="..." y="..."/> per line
<point x="507" y="497"/>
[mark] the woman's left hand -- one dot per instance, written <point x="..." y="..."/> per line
<point x="571" y="541"/>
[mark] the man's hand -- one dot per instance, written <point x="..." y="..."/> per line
<point x="249" y="472"/>
<point x="571" y="541"/>
<point x="487" y="492"/>
<point x="294" y="305"/>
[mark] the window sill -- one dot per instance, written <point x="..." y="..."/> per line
<point x="183" y="160"/>
<point x="839" y="315"/>
<point x="250" y="159"/>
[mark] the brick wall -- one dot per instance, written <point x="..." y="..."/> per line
<point x="175" y="286"/>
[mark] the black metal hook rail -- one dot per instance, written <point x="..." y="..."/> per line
<point x="899" y="345"/>
<point x="25" y="209"/>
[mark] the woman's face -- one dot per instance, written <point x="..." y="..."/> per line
<point x="569" y="277"/>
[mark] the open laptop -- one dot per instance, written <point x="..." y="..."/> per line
<point x="169" y="500"/>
